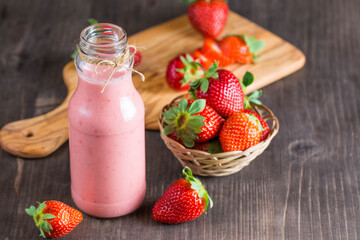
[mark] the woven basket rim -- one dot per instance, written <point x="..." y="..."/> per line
<point x="274" y="129"/>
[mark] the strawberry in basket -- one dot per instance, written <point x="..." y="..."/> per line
<point x="265" y="132"/>
<point x="240" y="131"/>
<point x="223" y="91"/>
<point x="192" y="121"/>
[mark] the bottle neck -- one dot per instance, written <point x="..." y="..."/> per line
<point x="103" y="41"/>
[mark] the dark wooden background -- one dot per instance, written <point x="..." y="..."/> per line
<point x="304" y="186"/>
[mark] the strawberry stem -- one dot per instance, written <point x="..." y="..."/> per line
<point x="40" y="218"/>
<point x="197" y="186"/>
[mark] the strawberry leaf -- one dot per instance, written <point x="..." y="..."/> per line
<point x="73" y="55"/>
<point x="255" y="95"/>
<point x="204" y="85"/>
<point x="42" y="234"/>
<point x="188" y="141"/>
<point x="48" y="216"/>
<point x="214" y="146"/>
<point x="256" y="101"/>
<point x="254" y="46"/>
<point x="197" y="106"/>
<point x="169" y="129"/>
<point x="93" y="21"/>
<point x="169" y="114"/>
<point x="183" y="104"/>
<point x="31" y="210"/>
<point x="248" y="78"/>
<point x="252" y="118"/>
<point x="198" y="187"/>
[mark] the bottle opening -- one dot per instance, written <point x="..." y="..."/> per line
<point x="103" y="41"/>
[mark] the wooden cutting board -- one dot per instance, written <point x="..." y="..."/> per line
<point x="163" y="42"/>
<point x="40" y="136"/>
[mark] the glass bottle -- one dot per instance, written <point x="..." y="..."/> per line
<point x="107" y="133"/>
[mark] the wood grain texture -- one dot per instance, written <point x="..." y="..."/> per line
<point x="306" y="185"/>
<point x="38" y="137"/>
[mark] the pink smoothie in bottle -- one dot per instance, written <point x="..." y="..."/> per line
<point x="107" y="134"/>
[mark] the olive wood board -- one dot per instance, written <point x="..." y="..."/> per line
<point x="40" y="136"/>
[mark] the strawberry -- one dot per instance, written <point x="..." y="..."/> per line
<point x="208" y="16"/>
<point x="236" y="49"/>
<point x="182" y="70"/>
<point x="185" y="200"/>
<point x="239" y="132"/>
<point x="248" y="79"/>
<point x="264" y="125"/>
<point x="213" y="52"/>
<point x="204" y="61"/>
<point x="54" y="219"/>
<point x="212" y="146"/>
<point x="193" y="122"/>
<point x="221" y="89"/>
<point x="137" y="56"/>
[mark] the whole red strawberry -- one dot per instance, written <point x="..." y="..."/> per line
<point x="192" y="121"/>
<point x="54" y="219"/>
<point x="185" y="200"/>
<point x="264" y="125"/>
<point x="182" y="70"/>
<point x="221" y="89"/>
<point x="239" y="132"/>
<point x="208" y="16"/>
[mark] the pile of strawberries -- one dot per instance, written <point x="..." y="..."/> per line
<point x="218" y="117"/>
<point x="209" y="17"/>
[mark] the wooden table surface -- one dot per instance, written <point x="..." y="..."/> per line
<point x="304" y="186"/>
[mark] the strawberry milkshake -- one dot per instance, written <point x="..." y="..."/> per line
<point x="107" y="134"/>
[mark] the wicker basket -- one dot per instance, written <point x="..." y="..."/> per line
<point x="220" y="164"/>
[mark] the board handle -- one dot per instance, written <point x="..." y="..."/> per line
<point x="40" y="136"/>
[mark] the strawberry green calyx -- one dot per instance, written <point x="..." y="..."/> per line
<point x="181" y="120"/>
<point x="197" y="186"/>
<point x="40" y="218"/>
<point x="252" y="118"/>
<point x="203" y="82"/>
<point x="192" y="69"/>
<point x="254" y="96"/>
<point x="254" y="46"/>
<point x="214" y="146"/>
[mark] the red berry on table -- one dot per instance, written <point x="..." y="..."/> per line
<point x="54" y="219"/>
<point x="222" y="91"/>
<point x="264" y="125"/>
<point x="213" y="52"/>
<point x="239" y="132"/>
<point x="137" y="56"/>
<point x="236" y="49"/>
<point x="208" y="17"/>
<point x="182" y="70"/>
<point x="185" y="200"/>
<point x="192" y="121"/>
